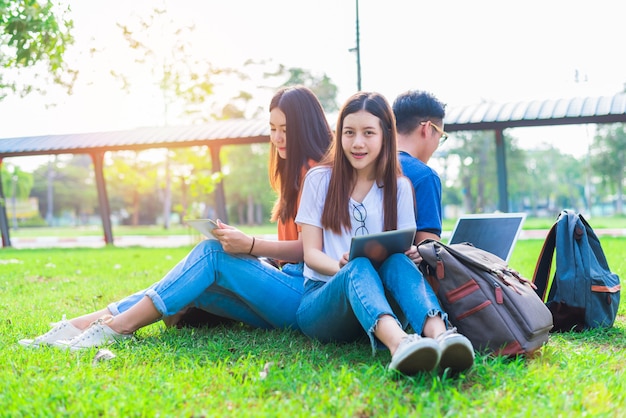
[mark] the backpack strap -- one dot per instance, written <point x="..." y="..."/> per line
<point x="544" y="263"/>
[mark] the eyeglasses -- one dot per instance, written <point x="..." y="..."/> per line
<point x="444" y="135"/>
<point x="360" y="214"/>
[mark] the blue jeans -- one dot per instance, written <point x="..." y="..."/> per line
<point x="347" y="307"/>
<point x="239" y="287"/>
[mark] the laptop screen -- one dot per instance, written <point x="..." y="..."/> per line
<point x="496" y="233"/>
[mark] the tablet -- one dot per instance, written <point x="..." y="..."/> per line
<point x="377" y="247"/>
<point x="205" y="226"/>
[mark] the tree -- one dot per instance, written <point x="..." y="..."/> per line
<point x="537" y="180"/>
<point x="551" y="181"/>
<point x="189" y="86"/>
<point x="190" y="169"/>
<point x="74" y="188"/>
<point x="608" y="160"/>
<point x="16" y="185"/>
<point x="34" y="35"/>
<point x="183" y="78"/>
<point x="322" y="86"/>
<point x="248" y="193"/>
<point x="16" y="182"/>
<point x="475" y="156"/>
<point x="131" y="177"/>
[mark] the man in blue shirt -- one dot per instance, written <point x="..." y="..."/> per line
<point x="419" y="122"/>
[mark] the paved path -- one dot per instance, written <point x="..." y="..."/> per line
<point x="184" y="240"/>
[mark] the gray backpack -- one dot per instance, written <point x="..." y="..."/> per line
<point x="488" y="302"/>
<point x="583" y="293"/>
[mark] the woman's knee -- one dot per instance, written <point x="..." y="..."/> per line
<point x="207" y="245"/>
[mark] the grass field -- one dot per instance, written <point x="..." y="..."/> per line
<point x="237" y="371"/>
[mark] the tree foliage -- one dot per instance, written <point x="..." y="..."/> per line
<point x="132" y="181"/>
<point x="248" y="192"/>
<point x="188" y="86"/>
<point x="184" y="80"/>
<point x="34" y="35"/>
<point x="15" y="181"/>
<point x="73" y="183"/>
<point x="608" y="159"/>
<point x="538" y="181"/>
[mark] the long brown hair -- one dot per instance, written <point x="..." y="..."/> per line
<point x="308" y="137"/>
<point x="336" y="214"/>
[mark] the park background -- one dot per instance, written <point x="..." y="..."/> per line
<point x="464" y="52"/>
<point x="171" y="63"/>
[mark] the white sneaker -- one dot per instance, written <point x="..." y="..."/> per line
<point x="457" y="352"/>
<point x="62" y="330"/>
<point x="98" y="334"/>
<point x="415" y="354"/>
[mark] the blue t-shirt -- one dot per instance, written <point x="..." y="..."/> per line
<point x="427" y="186"/>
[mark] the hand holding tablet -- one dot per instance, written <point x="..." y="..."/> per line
<point x="377" y="247"/>
<point x="204" y="226"/>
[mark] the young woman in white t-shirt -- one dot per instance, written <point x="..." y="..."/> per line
<point x="359" y="189"/>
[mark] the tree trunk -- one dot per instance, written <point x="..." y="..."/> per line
<point x="135" y="218"/>
<point x="468" y="200"/>
<point x="167" y="198"/>
<point x="183" y="198"/>
<point x="240" y="213"/>
<point x="250" y="210"/>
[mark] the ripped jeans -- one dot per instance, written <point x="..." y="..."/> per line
<point x="236" y="286"/>
<point x="347" y="307"/>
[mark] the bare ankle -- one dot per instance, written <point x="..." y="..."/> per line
<point x="80" y="323"/>
<point x="117" y="325"/>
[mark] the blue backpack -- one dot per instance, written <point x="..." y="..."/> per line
<point x="583" y="293"/>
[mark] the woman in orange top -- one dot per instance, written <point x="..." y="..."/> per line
<point x="225" y="277"/>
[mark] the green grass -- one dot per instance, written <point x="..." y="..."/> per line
<point x="219" y="371"/>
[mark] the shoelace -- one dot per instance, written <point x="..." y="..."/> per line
<point x="410" y="338"/>
<point x="93" y="329"/>
<point x="446" y="333"/>
<point x="55" y="330"/>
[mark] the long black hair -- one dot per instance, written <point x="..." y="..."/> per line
<point x="308" y="137"/>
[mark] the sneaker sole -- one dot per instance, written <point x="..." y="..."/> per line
<point x="28" y="343"/>
<point x="423" y="360"/>
<point x="457" y="357"/>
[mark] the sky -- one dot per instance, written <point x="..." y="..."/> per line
<point x="463" y="51"/>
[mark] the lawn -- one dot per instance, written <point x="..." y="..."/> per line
<point x="232" y="370"/>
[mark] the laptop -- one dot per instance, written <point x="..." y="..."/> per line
<point x="496" y="233"/>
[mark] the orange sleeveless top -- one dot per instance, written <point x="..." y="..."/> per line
<point x="288" y="231"/>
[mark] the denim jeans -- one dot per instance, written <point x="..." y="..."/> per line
<point x="347" y="307"/>
<point x="240" y="287"/>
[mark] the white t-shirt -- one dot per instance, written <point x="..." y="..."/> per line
<point x="336" y="245"/>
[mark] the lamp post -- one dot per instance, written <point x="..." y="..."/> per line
<point x="357" y="50"/>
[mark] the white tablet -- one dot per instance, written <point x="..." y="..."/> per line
<point x="205" y="226"/>
<point x="377" y="247"/>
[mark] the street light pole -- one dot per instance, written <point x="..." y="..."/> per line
<point x="357" y="49"/>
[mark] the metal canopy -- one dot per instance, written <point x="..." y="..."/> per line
<point x="236" y="131"/>
<point x="483" y="116"/>
<point x="494" y="116"/>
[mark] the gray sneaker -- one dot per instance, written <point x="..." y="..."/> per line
<point x="457" y="352"/>
<point x="415" y="354"/>
<point x="97" y="335"/>
<point x="62" y="330"/>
